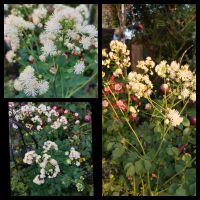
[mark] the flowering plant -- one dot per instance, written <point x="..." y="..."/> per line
<point x="55" y="48"/>
<point x="149" y="146"/>
<point x="50" y="148"/>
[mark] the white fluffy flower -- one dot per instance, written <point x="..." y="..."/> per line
<point x="79" y="67"/>
<point x="38" y="180"/>
<point x="49" y="145"/>
<point x="162" y="69"/>
<point x="117" y="72"/>
<point x="30" y="84"/>
<point x="82" y="8"/>
<point x="86" y="42"/>
<point x="13" y="26"/>
<point x="193" y="96"/>
<point x="10" y="55"/>
<point x="74" y="154"/>
<point x="38" y="14"/>
<point x="29" y="157"/>
<point x="39" y="127"/>
<point x="174" y="117"/>
<point x="185" y="93"/>
<point x="49" y="48"/>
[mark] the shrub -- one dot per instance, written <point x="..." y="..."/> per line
<point x="149" y="146"/>
<point x="50" y="149"/>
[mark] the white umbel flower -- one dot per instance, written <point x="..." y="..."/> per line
<point x="193" y="97"/>
<point x="30" y="84"/>
<point x="49" y="145"/>
<point x="29" y="157"/>
<point x="174" y="117"/>
<point x="38" y="180"/>
<point x="10" y="55"/>
<point x="39" y="14"/>
<point x="79" y="67"/>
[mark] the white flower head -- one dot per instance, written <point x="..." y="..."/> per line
<point x="79" y="67"/>
<point x="174" y="117"/>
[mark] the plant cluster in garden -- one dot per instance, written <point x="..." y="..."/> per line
<point x="149" y="120"/>
<point x="35" y="117"/>
<point x="57" y="38"/>
<point x="56" y="130"/>
<point x="49" y="166"/>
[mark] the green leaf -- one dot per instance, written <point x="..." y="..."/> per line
<point x="139" y="167"/>
<point x="110" y="145"/>
<point x="115" y="193"/>
<point x="118" y="152"/>
<point x="187" y="131"/>
<point x="172" y="151"/>
<point x="127" y="165"/>
<point x="181" y="192"/>
<point x="147" y="165"/>
<point x="130" y="171"/>
<point x="192" y="189"/>
<point x="172" y="188"/>
<point x="179" y="166"/>
<point x="185" y="122"/>
<point x="158" y="129"/>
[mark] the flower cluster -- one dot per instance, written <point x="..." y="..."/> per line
<point x="74" y="156"/>
<point x="39" y="14"/>
<point x="49" y="145"/>
<point x="30" y="84"/>
<point x="13" y="31"/>
<point x="29" y="157"/>
<point x="69" y="26"/>
<point x="147" y="65"/>
<point x="173" y="117"/>
<point x="139" y="85"/>
<point x="49" y="166"/>
<point x="44" y="114"/>
<point x="118" y="57"/>
<point x="181" y="75"/>
<point x="79" y="184"/>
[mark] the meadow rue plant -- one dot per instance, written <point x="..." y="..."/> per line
<point x="49" y="149"/>
<point x="60" y="45"/>
<point x="149" y="126"/>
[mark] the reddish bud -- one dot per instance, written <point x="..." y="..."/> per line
<point x="134" y="98"/>
<point x="192" y="120"/>
<point x="164" y="88"/>
<point x="87" y="118"/>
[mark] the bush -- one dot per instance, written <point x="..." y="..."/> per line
<point x="50" y="149"/>
<point x="55" y="48"/>
<point x="149" y="146"/>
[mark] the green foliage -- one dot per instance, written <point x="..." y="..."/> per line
<point x="169" y="29"/>
<point x="72" y="179"/>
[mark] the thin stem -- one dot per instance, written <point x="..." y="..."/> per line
<point x="135" y="134"/>
<point x="142" y="185"/>
<point x="160" y="144"/>
<point x="155" y="107"/>
<point x="151" y="114"/>
<point x="148" y="181"/>
<point x="68" y="96"/>
<point x="184" y="106"/>
<point x="62" y="82"/>
<point x="178" y="172"/>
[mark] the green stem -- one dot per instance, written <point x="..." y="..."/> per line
<point x="184" y="106"/>
<point x="135" y="134"/>
<point x="68" y="96"/>
<point x="61" y="76"/>
<point x="178" y="172"/>
<point x="160" y="144"/>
